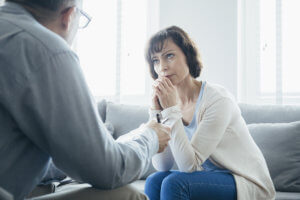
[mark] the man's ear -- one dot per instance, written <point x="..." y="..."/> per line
<point x="67" y="16"/>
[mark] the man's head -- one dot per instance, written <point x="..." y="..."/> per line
<point x="60" y="16"/>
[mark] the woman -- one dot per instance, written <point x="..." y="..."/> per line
<point x="210" y="143"/>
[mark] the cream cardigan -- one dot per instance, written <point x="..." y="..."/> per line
<point x="223" y="137"/>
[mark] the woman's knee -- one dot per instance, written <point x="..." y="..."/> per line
<point x="174" y="187"/>
<point x="156" y="178"/>
<point x="175" y="179"/>
<point x="153" y="184"/>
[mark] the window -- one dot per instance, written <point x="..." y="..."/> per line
<point x="96" y="47"/>
<point x="111" y="49"/>
<point x="269" y="45"/>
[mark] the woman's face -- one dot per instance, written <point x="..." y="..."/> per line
<point x="170" y="62"/>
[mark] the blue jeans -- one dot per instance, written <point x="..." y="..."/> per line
<point x="199" y="185"/>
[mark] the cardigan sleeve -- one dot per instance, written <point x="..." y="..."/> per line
<point x="161" y="161"/>
<point x="189" y="155"/>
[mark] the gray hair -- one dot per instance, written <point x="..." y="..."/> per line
<point x="44" y="10"/>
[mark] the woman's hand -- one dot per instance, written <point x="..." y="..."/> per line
<point x="166" y="93"/>
<point x="155" y="102"/>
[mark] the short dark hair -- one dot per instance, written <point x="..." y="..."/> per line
<point x="183" y="41"/>
<point x="43" y="10"/>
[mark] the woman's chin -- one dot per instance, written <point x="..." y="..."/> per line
<point x="174" y="82"/>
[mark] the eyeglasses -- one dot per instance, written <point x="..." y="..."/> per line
<point x="84" y="19"/>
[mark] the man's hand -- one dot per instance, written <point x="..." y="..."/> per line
<point x="163" y="133"/>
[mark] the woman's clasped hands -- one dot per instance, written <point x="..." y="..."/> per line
<point x="164" y="94"/>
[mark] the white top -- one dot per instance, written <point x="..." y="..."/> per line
<point x="223" y="137"/>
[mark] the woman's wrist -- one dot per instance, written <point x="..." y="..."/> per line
<point x="171" y="115"/>
<point x="153" y="113"/>
<point x="155" y="108"/>
<point x="171" y="111"/>
<point x="168" y="116"/>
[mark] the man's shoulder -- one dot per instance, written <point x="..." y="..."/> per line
<point x="14" y="17"/>
<point x="31" y="33"/>
<point x="43" y="38"/>
<point x="28" y="47"/>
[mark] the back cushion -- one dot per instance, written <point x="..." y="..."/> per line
<point x="269" y="113"/>
<point x="102" y="109"/>
<point x="280" y="144"/>
<point x="125" y="118"/>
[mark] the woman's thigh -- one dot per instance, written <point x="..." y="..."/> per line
<point x="198" y="185"/>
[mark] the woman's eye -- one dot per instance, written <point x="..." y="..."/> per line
<point x="155" y="62"/>
<point x="170" y="55"/>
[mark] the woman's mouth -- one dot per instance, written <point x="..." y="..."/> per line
<point x="168" y="76"/>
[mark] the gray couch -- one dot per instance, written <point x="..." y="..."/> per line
<point x="276" y="130"/>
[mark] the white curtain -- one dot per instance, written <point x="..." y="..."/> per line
<point x="269" y="42"/>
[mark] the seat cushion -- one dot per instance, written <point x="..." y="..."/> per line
<point x="77" y="191"/>
<point x="139" y="185"/>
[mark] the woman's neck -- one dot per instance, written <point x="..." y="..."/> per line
<point x="188" y="91"/>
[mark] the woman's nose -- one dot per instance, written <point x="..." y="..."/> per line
<point x="162" y="70"/>
<point x="163" y="66"/>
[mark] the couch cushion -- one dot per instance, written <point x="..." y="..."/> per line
<point x="110" y="128"/>
<point x="269" y="113"/>
<point x="139" y="185"/>
<point x="83" y="191"/>
<point x="125" y="118"/>
<point x="280" y="144"/>
<point x="102" y="109"/>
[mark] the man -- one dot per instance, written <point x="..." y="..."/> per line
<point x="47" y="112"/>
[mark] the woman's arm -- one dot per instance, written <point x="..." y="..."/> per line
<point x="161" y="161"/>
<point x="189" y="156"/>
